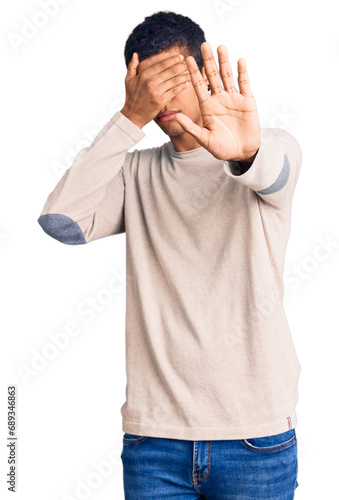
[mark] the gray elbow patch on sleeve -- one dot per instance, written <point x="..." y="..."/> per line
<point x="281" y="180"/>
<point x="62" y="228"/>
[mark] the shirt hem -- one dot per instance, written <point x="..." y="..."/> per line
<point x="284" y="424"/>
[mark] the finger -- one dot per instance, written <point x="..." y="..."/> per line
<point x="171" y="72"/>
<point x="197" y="80"/>
<point x="243" y="81"/>
<point x="132" y="67"/>
<point x="173" y="91"/>
<point x="173" y="82"/>
<point x="211" y="68"/>
<point x="158" y="63"/>
<point x="225" y="69"/>
<point x="161" y="56"/>
<point x="189" y="126"/>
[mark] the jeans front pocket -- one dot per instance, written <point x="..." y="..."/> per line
<point x="133" y="438"/>
<point x="269" y="444"/>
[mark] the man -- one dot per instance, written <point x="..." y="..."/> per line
<point x="212" y="372"/>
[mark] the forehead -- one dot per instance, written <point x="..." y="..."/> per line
<point x="172" y="51"/>
<point x="164" y="54"/>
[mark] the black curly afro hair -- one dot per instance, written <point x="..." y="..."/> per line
<point x="161" y="31"/>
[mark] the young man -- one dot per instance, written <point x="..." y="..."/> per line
<point x="212" y="372"/>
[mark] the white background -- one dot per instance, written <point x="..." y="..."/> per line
<point x="59" y="87"/>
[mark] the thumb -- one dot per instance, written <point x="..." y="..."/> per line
<point x="189" y="126"/>
<point x="132" y="67"/>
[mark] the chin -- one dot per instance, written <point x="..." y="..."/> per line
<point x="171" y="129"/>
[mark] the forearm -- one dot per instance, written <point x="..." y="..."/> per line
<point x="274" y="170"/>
<point x="74" y="209"/>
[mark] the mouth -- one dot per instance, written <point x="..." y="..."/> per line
<point x="167" y="116"/>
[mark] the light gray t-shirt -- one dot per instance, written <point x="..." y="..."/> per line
<point x="209" y="353"/>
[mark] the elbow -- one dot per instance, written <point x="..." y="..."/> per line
<point x="62" y="228"/>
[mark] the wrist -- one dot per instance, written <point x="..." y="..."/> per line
<point x="133" y="118"/>
<point x="240" y="166"/>
<point x="248" y="159"/>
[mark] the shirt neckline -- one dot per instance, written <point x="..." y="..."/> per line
<point x="183" y="154"/>
<point x="187" y="155"/>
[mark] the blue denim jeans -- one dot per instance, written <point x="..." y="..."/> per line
<point x="262" y="468"/>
